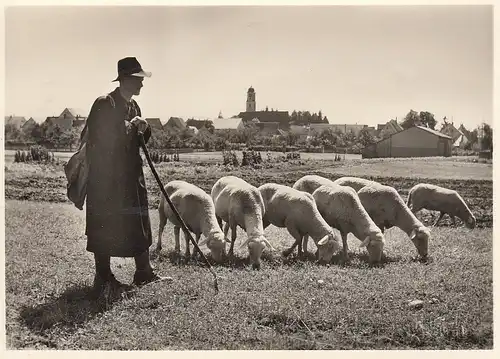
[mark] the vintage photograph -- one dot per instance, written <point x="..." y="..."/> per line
<point x="249" y="177"/>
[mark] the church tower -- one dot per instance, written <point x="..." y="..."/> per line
<point x="251" y="100"/>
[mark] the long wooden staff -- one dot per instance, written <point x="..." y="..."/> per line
<point x="184" y="227"/>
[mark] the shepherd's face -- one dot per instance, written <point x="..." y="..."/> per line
<point x="132" y="84"/>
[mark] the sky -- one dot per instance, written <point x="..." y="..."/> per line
<point x="357" y="64"/>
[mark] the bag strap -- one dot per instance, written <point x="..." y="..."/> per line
<point x="84" y="134"/>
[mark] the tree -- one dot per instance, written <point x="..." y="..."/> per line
<point x="487" y="139"/>
<point x="36" y="133"/>
<point x="55" y="137"/>
<point x="365" y="137"/>
<point x="410" y="120"/>
<point x="69" y="138"/>
<point x="427" y="119"/>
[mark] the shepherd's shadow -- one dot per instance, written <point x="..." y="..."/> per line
<point x="72" y="308"/>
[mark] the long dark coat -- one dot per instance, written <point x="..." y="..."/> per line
<point x="118" y="221"/>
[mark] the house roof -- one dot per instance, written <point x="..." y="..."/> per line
<point x="393" y="125"/>
<point x="30" y="122"/>
<point x="16" y="120"/>
<point x="154" y="122"/>
<point x="38" y="119"/>
<point x="226" y="123"/>
<point x="77" y="111"/>
<point x="175" y="122"/>
<point x="322" y="125"/>
<point x="450" y="130"/>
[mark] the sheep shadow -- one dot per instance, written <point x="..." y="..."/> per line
<point x="181" y="260"/>
<point x="294" y="260"/>
<point x="72" y="308"/>
<point x="361" y="260"/>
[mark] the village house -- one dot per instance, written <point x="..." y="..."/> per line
<point x="458" y="137"/>
<point x="28" y="126"/>
<point x="388" y="129"/>
<point x="16" y="121"/>
<point x="69" y="118"/>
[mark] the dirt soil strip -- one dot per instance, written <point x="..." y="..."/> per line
<point x="477" y="193"/>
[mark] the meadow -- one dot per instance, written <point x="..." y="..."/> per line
<point x="288" y="304"/>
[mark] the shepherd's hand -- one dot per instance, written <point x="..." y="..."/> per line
<point x="140" y="123"/>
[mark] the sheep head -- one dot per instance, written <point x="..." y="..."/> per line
<point x="420" y="237"/>
<point x="471" y="221"/>
<point x="256" y="246"/>
<point x="217" y="245"/>
<point x="374" y="244"/>
<point x="327" y="247"/>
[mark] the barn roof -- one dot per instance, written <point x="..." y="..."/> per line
<point x="226" y="123"/>
<point x="434" y="132"/>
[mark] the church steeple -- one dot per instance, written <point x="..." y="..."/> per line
<point x="251" y="100"/>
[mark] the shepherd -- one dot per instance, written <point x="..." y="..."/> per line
<point x="117" y="216"/>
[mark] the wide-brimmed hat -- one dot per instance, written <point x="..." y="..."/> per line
<point x="129" y="66"/>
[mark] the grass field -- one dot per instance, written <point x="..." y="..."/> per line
<point x="288" y="304"/>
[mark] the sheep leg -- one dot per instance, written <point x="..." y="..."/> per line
<point x="298" y="239"/>
<point x="219" y="220"/>
<point x="176" y="236"/>
<point x="233" y="239"/>
<point x="161" y="227"/>
<point x="345" y="247"/>
<point x="186" y="238"/>
<point x="440" y="217"/>
<point x="226" y="229"/>
<point x="300" y="252"/>
<point x="304" y="243"/>
<point x="195" y="252"/>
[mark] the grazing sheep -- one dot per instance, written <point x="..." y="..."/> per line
<point x="386" y="207"/>
<point x="341" y="208"/>
<point x="297" y="211"/>
<point x="238" y="203"/>
<point x="197" y="210"/>
<point x="436" y="198"/>
<point x="309" y="183"/>
<point x="354" y="182"/>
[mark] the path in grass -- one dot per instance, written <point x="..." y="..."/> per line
<point x="287" y="305"/>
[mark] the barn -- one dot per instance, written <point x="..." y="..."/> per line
<point x="417" y="141"/>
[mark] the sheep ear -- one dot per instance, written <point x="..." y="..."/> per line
<point x="413" y="234"/>
<point x="365" y="242"/>
<point x="323" y="240"/>
<point x="203" y="241"/>
<point x="268" y="244"/>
